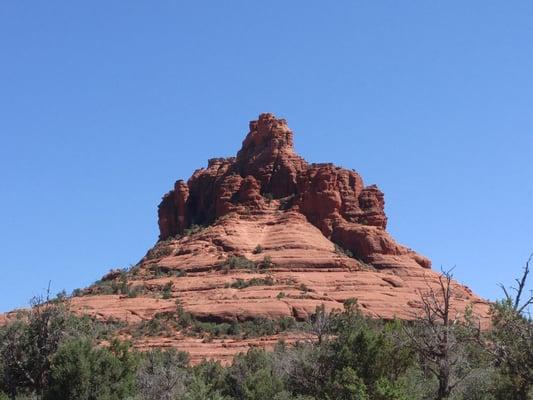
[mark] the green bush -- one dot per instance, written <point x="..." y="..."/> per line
<point x="251" y="377"/>
<point x="134" y="291"/>
<point x="238" y="262"/>
<point x="162" y="375"/>
<point x="82" y="371"/>
<point x="242" y="283"/>
<point x="303" y="287"/>
<point x="266" y="263"/>
<point x="167" y="290"/>
<point x="193" y="229"/>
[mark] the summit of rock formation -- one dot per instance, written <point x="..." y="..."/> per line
<point x="267" y="171"/>
<point x="265" y="236"/>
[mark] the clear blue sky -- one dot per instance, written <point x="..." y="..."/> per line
<point x="104" y="104"/>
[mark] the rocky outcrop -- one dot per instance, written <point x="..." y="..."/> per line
<point x="265" y="235"/>
<point x="267" y="168"/>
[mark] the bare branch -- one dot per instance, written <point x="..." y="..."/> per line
<point x="517" y="303"/>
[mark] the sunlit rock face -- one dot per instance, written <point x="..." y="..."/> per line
<point x="267" y="169"/>
<point x="309" y="234"/>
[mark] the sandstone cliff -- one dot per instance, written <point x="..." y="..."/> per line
<point x="265" y="235"/>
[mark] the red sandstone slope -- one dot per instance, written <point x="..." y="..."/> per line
<point x="296" y="222"/>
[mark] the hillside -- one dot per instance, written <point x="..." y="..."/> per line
<point x="249" y="247"/>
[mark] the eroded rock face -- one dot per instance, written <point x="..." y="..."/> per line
<point x="305" y="234"/>
<point x="267" y="168"/>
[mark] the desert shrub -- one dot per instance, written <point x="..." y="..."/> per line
<point x="134" y="291"/>
<point x="251" y="376"/>
<point x="194" y="228"/>
<point x="200" y="389"/>
<point x="255" y="328"/>
<point x="162" y="375"/>
<point x="346" y="384"/>
<point x="167" y="290"/>
<point x="265" y="263"/>
<point x="158" y="271"/>
<point x="238" y="262"/>
<point x="118" y="285"/>
<point x="212" y="372"/>
<point x="47" y="353"/>
<point x="361" y="359"/>
<point x="179" y="273"/>
<point x="510" y="343"/>
<point x="103" y="287"/>
<point x="258" y="249"/>
<point x="81" y="370"/>
<point x="28" y="343"/>
<point x="189" y="325"/>
<point x="242" y="283"/>
<point x="343" y="252"/>
<point x="161" y="249"/>
<point x="303" y="287"/>
<point x="161" y="323"/>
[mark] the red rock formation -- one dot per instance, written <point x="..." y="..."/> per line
<point x="296" y="222"/>
<point x="332" y="198"/>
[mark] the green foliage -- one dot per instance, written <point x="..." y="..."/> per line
<point x="251" y="377"/>
<point x="346" y="385"/>
<point x="201" y="389"/>
<point x="385" y="390"/>
<point x="162" y="375"/>
<point x="246" y="329"/>
<point x="265" y="263"/>
<point x="167" y="290"/>
<point x="32" y="346"/>
<point x="111" y="286"/>
<point x="179" y="273"/>
<point x="242" y="283"/>
<point x="47" y="353"/>
<point x="161" y="249"/>
<point x="194" y="228"/>
<point x="134" y="291"/>
<point x="303" y="287"/>
<point x="161" y="323"/>
<point x="371" y="353"/>
<point x="512" y="336"/>
<point x="238" y="262"/>
<point x="159" y="271"/>
<point x="165" y="323"/>
<point x="28" y="343"/>
<point x="82" y="371"/>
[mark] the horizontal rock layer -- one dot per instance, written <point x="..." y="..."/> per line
<point x="305" y="270"/>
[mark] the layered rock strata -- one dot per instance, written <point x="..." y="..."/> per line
<point x="266" y="235"/>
